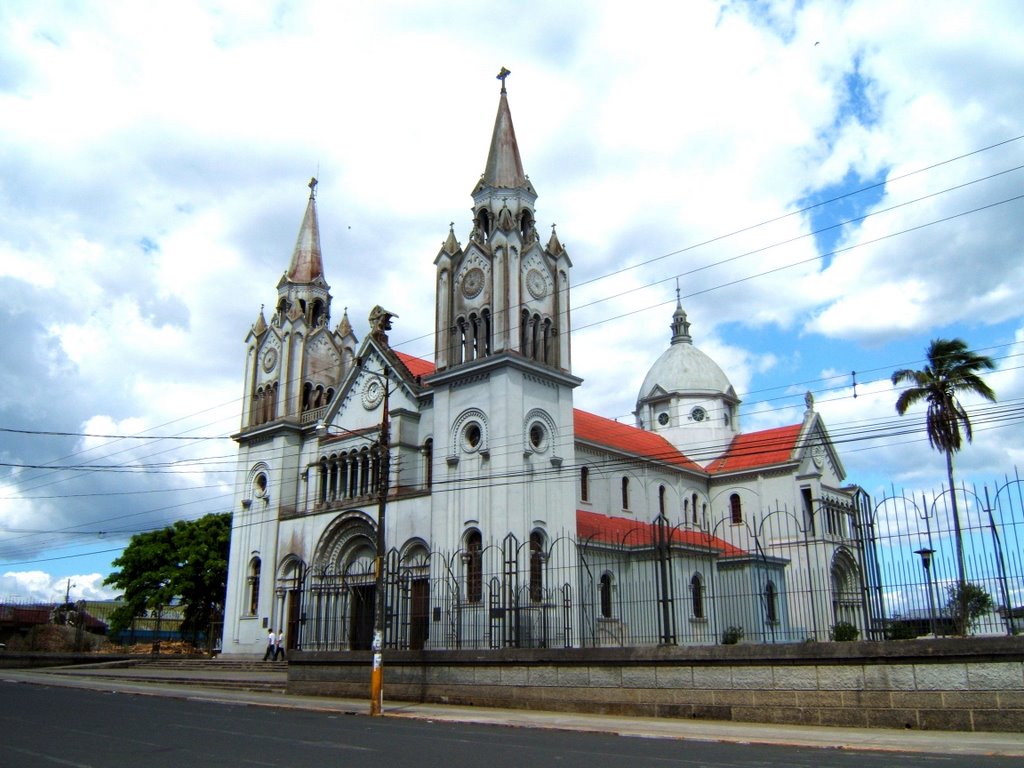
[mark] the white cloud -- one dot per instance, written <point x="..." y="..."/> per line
<point x="43" y="587"/>
<point x="150" y="200"/>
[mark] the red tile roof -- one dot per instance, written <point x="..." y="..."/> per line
<point x="595" y="527"/>
<point x="758" y="449"/>
<point x="622" y="437"/>
<point x="417" y="365"/>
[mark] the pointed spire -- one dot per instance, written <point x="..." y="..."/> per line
<point x="261" y="323"/>
<point x="504" y="166"/>
<point x="307" y="262"/>
<point x="680" y="326"/>
<point x="555" y="246"/>
<point x="344" y="327"/>
<point x="451" y="244"/>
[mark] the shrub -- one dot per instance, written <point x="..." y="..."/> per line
<point x="732" y="635"/>
<point x="966" y="611"/>
<point x="844" y="632"/>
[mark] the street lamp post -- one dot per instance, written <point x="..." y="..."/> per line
<point x="926" y="563"/>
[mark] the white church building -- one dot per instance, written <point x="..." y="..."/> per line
<point x="511" y="518"/>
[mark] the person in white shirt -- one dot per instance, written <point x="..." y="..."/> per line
<point x="271" y="646"/>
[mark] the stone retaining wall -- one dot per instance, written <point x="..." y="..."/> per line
<point x="974" y="684"/>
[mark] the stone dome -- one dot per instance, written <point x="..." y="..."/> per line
<point x="684" y="369"/>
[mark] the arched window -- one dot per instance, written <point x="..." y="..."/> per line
<point x="606" y="595"/>
<point x="473" y="558"/>
<point x="483" y="222"/>
<point x="428" y="462"/>
<point x="343" y="470"/>
<point x="584" y="484"/>
<point x="771" y="608"/>
<point x="696" y="516"/>
<point x="625" y="493"/>
<point x="536" y="566"/>
<point x="661" y="499"/>
<point x="364" y="472"/>
<point x="735" y="509"/>
<point x="254" y="586"/>
<point x="473" y="340"/>
<point x="334" y="478"/>
<point x="324" y="479"/>
<point x="353" y="474"/>
<point x="697" y="596"/>
<point x="485" y="340"/>
<point x="318" y="316"/>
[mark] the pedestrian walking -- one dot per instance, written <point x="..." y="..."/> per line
<point x="271" y="646"/>
<point x="279" y="647"/>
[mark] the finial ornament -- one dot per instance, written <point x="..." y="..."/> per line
<point x="809" y="400"/>
<point x="502" y="75"/>
<point x="312" y="188"/>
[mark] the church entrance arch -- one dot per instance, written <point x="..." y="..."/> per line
<point x="341" y="598"/>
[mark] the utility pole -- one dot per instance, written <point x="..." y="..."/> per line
<point x="379" y="621"/>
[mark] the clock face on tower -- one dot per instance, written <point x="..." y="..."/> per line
<point x="473" y="283"/>
<point x="373" y="393"/>
<point x="269" y="359"/>
<point x="536" y="284"/>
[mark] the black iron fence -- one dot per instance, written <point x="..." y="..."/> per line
<point x="830" y="571"/>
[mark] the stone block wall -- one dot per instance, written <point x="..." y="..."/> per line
<point x="974" y="684"/>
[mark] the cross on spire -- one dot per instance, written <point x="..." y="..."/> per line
<point x="502" y="75"/>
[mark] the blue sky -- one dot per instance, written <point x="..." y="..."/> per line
<point x="153" y="168"/>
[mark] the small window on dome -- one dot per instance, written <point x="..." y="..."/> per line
<point x="698" y="414"/>
<point x="663" y="418"/>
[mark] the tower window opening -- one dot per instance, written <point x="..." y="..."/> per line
<point x="485" y="345"/>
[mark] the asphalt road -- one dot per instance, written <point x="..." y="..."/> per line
<point x="56" y="726"/>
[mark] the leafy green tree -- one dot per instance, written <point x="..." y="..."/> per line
<point x="967" y="606"/>
<point x="952" y="370"/>
<point x="187" y="561"/>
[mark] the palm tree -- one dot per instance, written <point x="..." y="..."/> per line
<point x="952" y="370"/>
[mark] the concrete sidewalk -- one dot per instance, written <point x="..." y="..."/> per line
<point x="209" y="686"/>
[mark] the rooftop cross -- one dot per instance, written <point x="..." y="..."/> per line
<point x="502" y="75"/>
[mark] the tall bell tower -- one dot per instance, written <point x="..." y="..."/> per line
<point x="503" y="386"/>
<point x="294" y="366"/>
